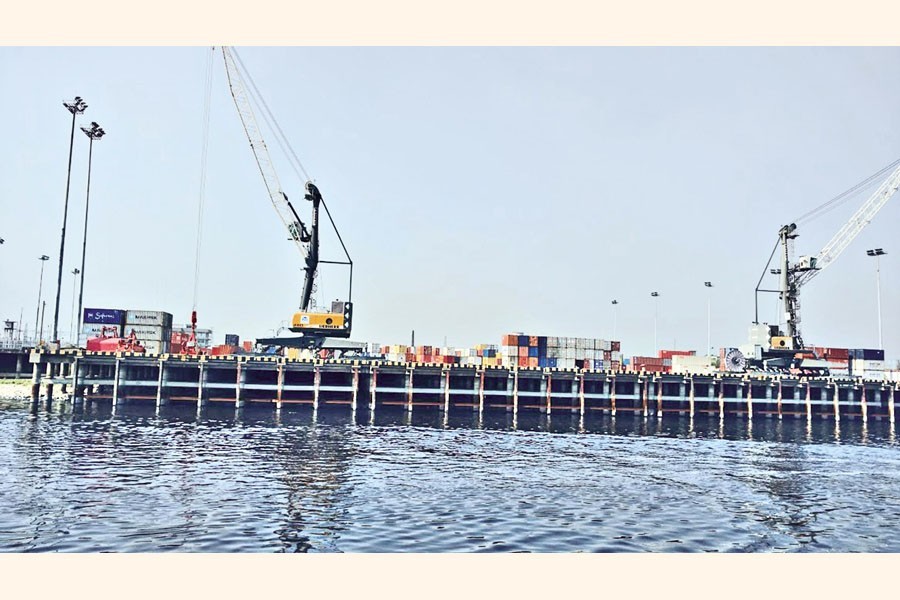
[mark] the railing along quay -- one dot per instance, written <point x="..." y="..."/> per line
<point x="362" y="385"/>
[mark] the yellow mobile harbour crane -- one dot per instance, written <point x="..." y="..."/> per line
<point x="313" y="326"/>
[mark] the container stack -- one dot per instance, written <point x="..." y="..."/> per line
<point x="539" y="351"/>
<point x="182" y="333"/>
<point x="153" y="329"/>
<point x="867" y="363"/>
<point x="480" y="355"/>
<point x="666" y="360"/>
<point x="838" y="360"/>
<point x="650" y="363"/>
<point x="95" y="319"/>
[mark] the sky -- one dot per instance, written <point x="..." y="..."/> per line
<point x="480" y="191"/>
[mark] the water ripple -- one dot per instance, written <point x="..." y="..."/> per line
<point x="137" y="481"/>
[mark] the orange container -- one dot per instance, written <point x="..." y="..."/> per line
<point x="533" y="341"/>
<point x="523" y="352"/>
<point x="510" y="340"/>
<point x="532" y="361"/>
<point x="248" y="346"/>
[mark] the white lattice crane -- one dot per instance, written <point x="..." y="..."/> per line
<point x="793" y="277"/>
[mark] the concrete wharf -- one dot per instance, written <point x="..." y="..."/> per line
<point x="360" y="385"/>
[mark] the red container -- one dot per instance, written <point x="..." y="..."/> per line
<point x="837" y="353"/>
<point x="616" y="346"/>
<point x="670" y="353"/>
<point x="510" y="340"/>
<point x="607" y="355"/>
<point x="523" y="361"/>
<point x="248" y="346"/>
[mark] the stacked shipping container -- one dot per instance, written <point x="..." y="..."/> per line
<point x="152" y="328"/>
<point x="560" y="352"/>
<point x="95" y="319"/>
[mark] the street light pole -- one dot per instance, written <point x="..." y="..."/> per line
<point x="95" y="132"/>
<point x="615" y="305"/>
<point x="43" y="310"/>
<point x="75" y="107"/>
<point x="655" y="321"/>
<point x="878" y="253"/>
<point x="72" y="332"/>
<point x="709" y="286"/>
<point x="37" y="315"/>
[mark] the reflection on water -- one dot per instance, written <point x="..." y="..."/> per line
<point x="134" y="479"/>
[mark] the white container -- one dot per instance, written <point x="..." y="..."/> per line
<point x="148" y="317"/>
<point x="155" y="347"/>
<point x="90" y="330"/>
<point x="553" y="342"/>
<point x="149" y="333"/>
<point x="615" y="355"/>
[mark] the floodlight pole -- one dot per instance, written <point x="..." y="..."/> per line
<point x="76" y="107"/>
<point x="95" y="132"/>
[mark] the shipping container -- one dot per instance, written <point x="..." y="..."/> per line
<point x="90" y="330"/>
<point x="106" y="316"/>
<point x="155" y="347"/>
<point x="148" y="317"/>
<point x="148" y="332"/>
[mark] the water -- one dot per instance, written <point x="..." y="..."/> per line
<point x="138" y="481"/>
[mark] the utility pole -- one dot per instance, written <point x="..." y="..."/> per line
<point x="709" y="286"/>
<point x="37" y="313"/>
<point x="878" y="253"/>
<point x="76" y="107"/>
<point x="72" y="332"/>
<point x="615" y="305"/>
<point x="94" y="132"/>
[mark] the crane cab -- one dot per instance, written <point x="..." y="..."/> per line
<point x="334" y="323"/>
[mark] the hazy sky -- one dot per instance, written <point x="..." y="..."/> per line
<point x="479" y="190"/>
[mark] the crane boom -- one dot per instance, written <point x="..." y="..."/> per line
<point x="854" y="226"/>
<point x="283" y="206"/>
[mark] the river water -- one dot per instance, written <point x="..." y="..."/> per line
<point x="134" y="480"/>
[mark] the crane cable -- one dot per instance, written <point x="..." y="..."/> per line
<point x="281" y="139"/>
<point x="270" y="120"/>
<point x="203" y="161"/>
<point x="844" y="196"/>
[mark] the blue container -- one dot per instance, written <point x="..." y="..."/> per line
<point x="551" y="362"/>
<point x="542" y="342"/>
<point x="523" y="340"/>
<point x="873" y="354"/>
<point x="532" y="352"/>
<point x="542" y="362"/>
<point x="104" y="316"/>
<point x="598" y="365"/>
